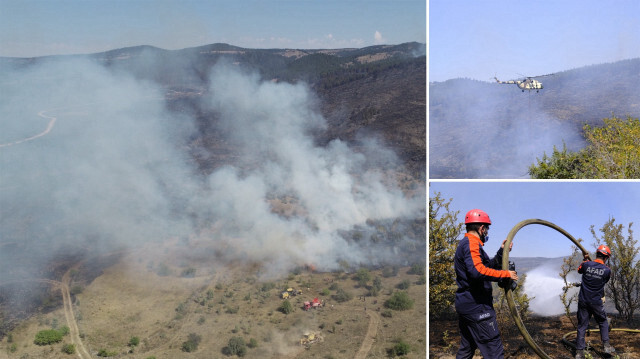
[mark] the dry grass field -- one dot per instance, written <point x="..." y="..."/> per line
<point x="162" y="302"/>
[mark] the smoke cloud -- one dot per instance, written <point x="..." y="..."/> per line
<point x="110" y="168"/>
<point x="482" y="130"/>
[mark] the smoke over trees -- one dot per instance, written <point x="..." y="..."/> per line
<point x="612" y="151"/>
<point x="94" y="161"/>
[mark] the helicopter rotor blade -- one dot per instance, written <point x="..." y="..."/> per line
<point x="542" y="76"/>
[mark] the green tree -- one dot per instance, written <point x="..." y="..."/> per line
<point x="570" y="266"/>
<point x="624" y="285"/>
<point x="444" y="230"/>
<point x="561" y="165"/>
<point x="612" y="151"/>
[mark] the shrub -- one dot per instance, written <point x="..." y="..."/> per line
<point x="191" y="345"/>
<point x="46" y="337"/>
<point x="232" y="310"/>
<point x="76" y="289"/>
<point x="389" y="272"/>
<point x="236" y="346"/>
<point x="188" y="273"/>
<point x="401" y="348"/>
<point x="342" y="296"/>
<point x="267" y="287"/>
<point x="405" y="284"/>
<point x="286" y="307"/>
<point x="106" y="353"/>
<point x="64" y="330"/>
<point x="399" y="301"/>
<point x="163" y="270"/>
<point x="252" y="343"/>
<point x="418" y="269"/>
<point x="362" y="276"/>
<point x="134" y="341"/>
<point x="69" y="349"/>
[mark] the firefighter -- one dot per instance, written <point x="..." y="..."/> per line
<point x="595" y="274"/>
<point x="474" y="300"/>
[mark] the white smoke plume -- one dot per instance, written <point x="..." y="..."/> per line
<point x="114" y="171"/>
<point x="334" y="189"/>
<point x="482" y="130"/>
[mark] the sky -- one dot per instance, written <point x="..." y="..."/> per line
<point x="514" y="38"/>
<point x="41" y="27"/>
<point x="573" y="206"/>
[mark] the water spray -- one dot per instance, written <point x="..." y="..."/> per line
<point x="508" y="291"/>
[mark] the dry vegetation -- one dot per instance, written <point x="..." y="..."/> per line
<point x="444" y="338"/>
<point x="162" y="302"/>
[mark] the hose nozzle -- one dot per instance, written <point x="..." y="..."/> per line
<point x="570" y="285"/>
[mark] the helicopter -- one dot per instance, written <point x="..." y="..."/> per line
<point x="527" y="83"/>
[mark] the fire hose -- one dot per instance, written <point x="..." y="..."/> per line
<point x="567" y="342"/>
<point x="508" y="290"/>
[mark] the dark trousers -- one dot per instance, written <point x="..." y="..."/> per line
<point x="479" y="331"/>
<point x="585" y="311"/>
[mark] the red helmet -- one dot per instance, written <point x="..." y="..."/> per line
<point x="604" y="250"/>
<point x="477" y="216"/>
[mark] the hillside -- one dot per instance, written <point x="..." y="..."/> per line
<point x="379" y="90"/>
<point x="137" y="180"/>
<point x="158" y="303"/>
<point x="488" y="130"/>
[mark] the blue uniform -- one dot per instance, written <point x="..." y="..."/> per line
<point x="474" y="298"/>
<point x="595" y="274"/>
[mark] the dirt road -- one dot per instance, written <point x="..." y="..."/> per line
<point x="71" y="319"/>
<point x="52" y="122"/>
<point x="74" y="332"/>
<point x="374" y="320"/>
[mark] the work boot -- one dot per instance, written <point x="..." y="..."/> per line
<point x="608" y="349"/>
<point x="579" y="354"/>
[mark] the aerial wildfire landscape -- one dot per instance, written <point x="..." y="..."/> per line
<point x="214" y="202"/>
